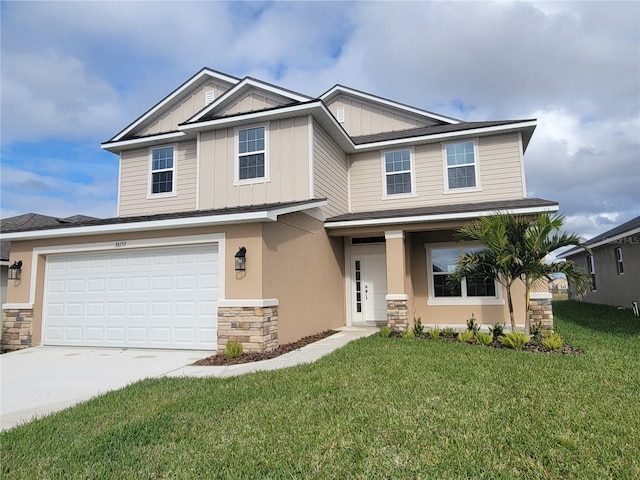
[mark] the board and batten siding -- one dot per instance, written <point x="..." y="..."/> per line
<point x="500" y="176"/>
<point x="253" y="102"/>
<point x="363" y="118"/>
<point x="134" y="183"/>
<point x="288" y="157"/>
<point x="330" y="173"/>
<point x="186" y="108"/>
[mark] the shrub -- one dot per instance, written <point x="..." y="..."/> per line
<point x="497" y="330"/>
<point x="472" y="325"/>
<point x="233" y="349"/>
<point x="418" y="328"/>
<point x="484" y="338"/>
<point x="553" y="341"/>
<point x="408" y="334"/>
<point x="385" y="331"/>
<point x="434" y="333"/>
<point x="448" y="332"/>
<point x="515" y="339"/>
<point x="465" y="336"/>
<point x="537" y="331"/>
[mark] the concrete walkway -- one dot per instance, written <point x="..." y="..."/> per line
<point x="41" y="380"/>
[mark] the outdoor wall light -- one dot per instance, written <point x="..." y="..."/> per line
<point x="241" y="260"/>
<point x="14" y="270"/>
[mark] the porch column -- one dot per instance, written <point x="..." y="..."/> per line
<point x="397" y="297"/>
<point x="540" y="310"/>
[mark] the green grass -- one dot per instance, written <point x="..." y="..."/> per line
<point x="378" y="408"/>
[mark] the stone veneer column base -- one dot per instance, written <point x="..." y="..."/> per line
<point x="255" y="328"/>
<point x="541" y="310"/>
<point x="398" y="315"/>
<point x="16" y="329"/>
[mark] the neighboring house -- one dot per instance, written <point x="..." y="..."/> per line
<point x="558" y="285"/>
<point x="345" y="208"/>
<point x="613" y="265"/>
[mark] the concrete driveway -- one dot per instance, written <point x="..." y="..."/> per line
<point x="40" y="380"/>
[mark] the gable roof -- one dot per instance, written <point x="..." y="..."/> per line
<point x="621" y="231"/>
<point x="235" y="93"/>
<point x="203" y="74"/>
<point x="338" y="89"/>
<point x="32" y="221"/>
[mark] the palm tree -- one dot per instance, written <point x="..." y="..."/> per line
<point x="515" y="249"/>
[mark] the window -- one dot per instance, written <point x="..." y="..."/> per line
<point x="473" y="290"/>
<point x="251" y="153"/>
<point x="460" y="165"/>
<point x="398" y="175"/>
<point x="591" y="266"/>
<point x="619" y="265"/>
<point x="162" y="170"/>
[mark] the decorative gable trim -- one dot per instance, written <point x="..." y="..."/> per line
<point x="205" y="72"/>
<point x="238" y="92"/>
<point x="338" y="89"/>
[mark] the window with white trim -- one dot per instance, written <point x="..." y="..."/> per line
<point x="619" y="264"/>
<point x="442" y="263"/>
<point x="162" y="170"/>
<point x="461" y="165"/>
<point x="591" y="266"/>
<point x="398" y="172"/>
<point x="251" y="153"/>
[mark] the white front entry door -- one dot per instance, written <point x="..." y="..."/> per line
<point x="370" y="288"/>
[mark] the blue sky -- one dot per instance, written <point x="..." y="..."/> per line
<point x="75" y="73"/>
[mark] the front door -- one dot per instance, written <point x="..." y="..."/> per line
<point x="370" y="288"/>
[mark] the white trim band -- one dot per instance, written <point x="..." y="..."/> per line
<point x="396" y="296"/>
<point x="17" y="306"/>
<point x="540" y="296"/>
<point x="248" y="302"/>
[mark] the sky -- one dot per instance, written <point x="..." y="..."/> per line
<point x="75" y="73"/>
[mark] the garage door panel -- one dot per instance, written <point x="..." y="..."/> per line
<point x="162" y="297"/>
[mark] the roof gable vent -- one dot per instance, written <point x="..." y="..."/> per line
<point x="209" y="96"/>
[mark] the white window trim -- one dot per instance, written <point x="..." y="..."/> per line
<point x="385" y="195"/>
<point x="236" y="159"/>
<point x="464" y="300"/>
<point x="476" y="164"/>
<point x="174" y="188"/>
<point x="619" y="260"/>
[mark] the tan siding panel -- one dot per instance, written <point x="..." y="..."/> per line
<point x="134" y="186"/>
<point x="500" y="176"/>
<point x="330" y="173"/>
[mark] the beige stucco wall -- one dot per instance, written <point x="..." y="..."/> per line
<point x="184" y="108"/>
<point x="135" y="172"/>
<point x="612" y="288"/>
<point x="303" y="268"/>
<point x="288" y="158"/>
<point x="365" y="118"/>
<point x="500" y="176"/>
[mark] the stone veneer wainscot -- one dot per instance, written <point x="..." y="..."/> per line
<point x="255" y="328"/>
<point x="16" y="329"/>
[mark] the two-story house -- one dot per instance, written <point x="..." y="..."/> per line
<point x="248" y="211"/>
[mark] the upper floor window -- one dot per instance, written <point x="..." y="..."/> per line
<point x="252" y="154"/>
<point x="619" y="264"/>
<point x="398" y="169"/>
<point x="163" y="170"/>
<point x="591" y="266"/>
<point x="471" y="290"/>
<point x="461" y="165"/>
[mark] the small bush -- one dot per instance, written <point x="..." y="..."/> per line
<point x="537" y="331"/>
<point x="465" y="336"/>
<point x="516" y="340"/>
<point x="484" y="338"/>
<point x="472" y="325"/>
<point x="385" y="332"/>
<point x="418" y="328"/>
<point x="408" y="334"/>
<point x="497" y="330"/>
<point x="434" y="333"/>
<point x="233" y="349"/>
<point x="448" y="332"/>
<point x="553" y="341"/>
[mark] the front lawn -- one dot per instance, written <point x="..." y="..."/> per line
<point x="378" y="408"/>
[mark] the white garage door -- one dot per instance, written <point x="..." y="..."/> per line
<point x="144" y="298"/>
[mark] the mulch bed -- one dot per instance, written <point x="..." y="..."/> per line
<point x="220" y="358"/>
<point x="533" y="346"/>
